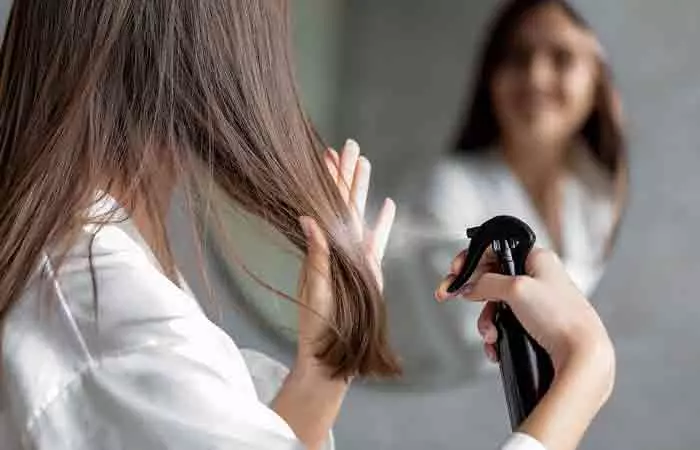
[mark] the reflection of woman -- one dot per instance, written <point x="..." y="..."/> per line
<point x="541" y="139"/>
<point x="104" y="108"/>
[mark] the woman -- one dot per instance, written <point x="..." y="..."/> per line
<point x="105" y="108"/>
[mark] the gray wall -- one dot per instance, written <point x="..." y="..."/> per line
<point x="405" y="70"/>
<point x="317" y="32"/>
<point x="404" y="64"/>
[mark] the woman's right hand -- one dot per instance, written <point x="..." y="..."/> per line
<point x="546" y="302"/>
<point x="565" y="324"/>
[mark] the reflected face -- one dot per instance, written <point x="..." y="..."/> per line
<point x="544" y="89"/>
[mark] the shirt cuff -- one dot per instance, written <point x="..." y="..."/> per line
<point x="522" y="441"/>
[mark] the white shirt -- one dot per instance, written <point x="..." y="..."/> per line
<point x="140" y="367"/>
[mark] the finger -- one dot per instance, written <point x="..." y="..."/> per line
<point x="316" y="267"/>
<point x="382" y="229"/>
<point x="441" y="293"/>
<point x="331" y="164"/>
<point x="335" y="156"/>
<point x="508" y="289"/>
<point x="488" y="261"/>
<point x="360" y="185"/>
<point x="376" y="269"/>
<point x="348" y="161"/>
<point x="491" y="353"/>
<point x="458" y="262"/>
<point x="487" y="264"/>
<point x="485" y="324"/>
<point x="542" y="263"/>
<point x="315" y="292"/>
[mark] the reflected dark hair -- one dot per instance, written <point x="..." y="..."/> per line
<point x="602" y="131"/>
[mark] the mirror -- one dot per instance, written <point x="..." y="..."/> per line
<point x="525" y="121"/>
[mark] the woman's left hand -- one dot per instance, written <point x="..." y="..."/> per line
<point x="351" y="173"/>
<point x="310" y="398"/>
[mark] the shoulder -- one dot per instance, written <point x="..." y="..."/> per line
<point x="469" y="167"/>
<point x="106" y="282"/>
<point x="459" y="181"/>
<point x="449" y="172"/>
<point x="105" y="300"/>
<point x="438" y="200"/>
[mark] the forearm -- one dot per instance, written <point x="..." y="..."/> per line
<point x="579" y="391"/>
<point x="309" y="402"/>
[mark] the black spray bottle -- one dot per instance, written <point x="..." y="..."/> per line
<point x="526" y="368"/>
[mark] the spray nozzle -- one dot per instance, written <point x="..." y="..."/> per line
<point x="499" y="232"/>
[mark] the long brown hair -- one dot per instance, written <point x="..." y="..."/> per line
<point x="479" y="131"/>
<point x="102" y="93"/>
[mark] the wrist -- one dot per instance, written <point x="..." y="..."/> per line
<point x="309" y="402"/>
<point x="582" y="384"/>
<point x="592" y="365"/>
<point x="314" y="374"/>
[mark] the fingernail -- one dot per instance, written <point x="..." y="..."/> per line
<point x="491" y="335"/>
<point x="436" y="294"/>
<point x="465" y="290"/>
<point x="351" y="143"/>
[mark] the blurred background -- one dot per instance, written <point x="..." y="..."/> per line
<point x="395" y="76"/>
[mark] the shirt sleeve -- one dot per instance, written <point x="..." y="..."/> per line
<point x="157" y="398"/>
<point x="522" y="441"/>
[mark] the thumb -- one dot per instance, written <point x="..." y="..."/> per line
<point x="316" y="267"/>
<point x="509" y="289"/>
